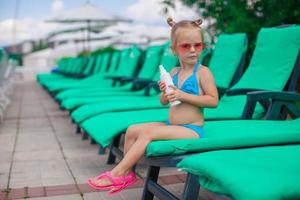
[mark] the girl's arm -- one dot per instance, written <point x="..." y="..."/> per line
<point x="209" y="97"/>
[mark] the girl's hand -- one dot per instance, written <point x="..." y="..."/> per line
<point x="162" y="86"/>
<point x="176" y="94"/>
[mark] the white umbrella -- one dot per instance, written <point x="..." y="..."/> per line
<point x="136" y="33"/>
<point x="87" y="14"/>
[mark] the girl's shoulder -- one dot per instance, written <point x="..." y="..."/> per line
<point x="203" y="70"/>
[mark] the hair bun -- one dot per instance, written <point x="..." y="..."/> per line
<point x="198" y="22"/>
<point x="171" y="22"/>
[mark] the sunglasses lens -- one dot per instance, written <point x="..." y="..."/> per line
<point x="185" y="46"/>
<point x="198" y="46"/>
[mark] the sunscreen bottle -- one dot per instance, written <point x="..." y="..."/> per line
<point x="167" y="79"/>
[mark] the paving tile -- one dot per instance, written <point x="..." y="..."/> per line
<point x="85" y="188"/>
<point x="5" y="164"/>
<point x="59" y="197"/>
<point x="7" y="128"/>
<point x="33" y="122"/>
<point x="169" y="179"/>
<point x="105" y="196"/>
<point x="132" y="194"/>
<point x="41" y="142"/>
<point x="26" y="166"/>
<point x="3" y="195"/>
<point x="57" y="181"/>
<point x="83" y="168"/>
<point x="25" y="183"/>
<point x="61" y="190"/>
<point x="175" y="189"/>
<point x="38" y="155"/>
<point x="7" y="142"/>
<point x="3" y="180"/>
<point x="17" y="193"/>
<point x="92" y="196"/>
<point x="36" y="192"/>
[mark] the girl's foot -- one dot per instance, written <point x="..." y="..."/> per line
<point x="106" y="181"/>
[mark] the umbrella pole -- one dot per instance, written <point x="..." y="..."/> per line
<point x="82" y="41"/>
<point x="88" y="35"/>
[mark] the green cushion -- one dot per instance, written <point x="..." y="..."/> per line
<point x="90" y="91"/>
<point x="57" y="86"/>
<point x="113" y="62"/>
<point x="253" y="173"/>
<point x="129" y="63"/>
<point x="230" y="134"/>
<point x="72" y="103"/>
<point x="150" y="66"/>
<point x="115" y="104"/>
<point x="226" y="57"/>
<point x="168" y="60"/>
<point x="103" y="128"/>
<point x="273" y="59"/>
<point x="89" y="66"/>
<point x="231" y="107"/>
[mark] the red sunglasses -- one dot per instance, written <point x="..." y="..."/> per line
<point x="186" y="46"/>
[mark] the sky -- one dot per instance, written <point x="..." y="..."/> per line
<point x="30" y="21"/>
<point x="43" y="8"/>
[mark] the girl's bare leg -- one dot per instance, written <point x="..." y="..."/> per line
<point x="138" y="148"/>
<point x="132" y="133"/>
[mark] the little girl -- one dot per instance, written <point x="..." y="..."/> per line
<point x="194" y="87"/>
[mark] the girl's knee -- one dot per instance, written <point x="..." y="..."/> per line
<point x="145" y="135"/>
<point x="131" y="131"/>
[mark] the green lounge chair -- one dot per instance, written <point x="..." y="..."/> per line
<point x="229" y="49"/>
<point x="49" y="79"/>
<point x="133" y="53"/>
<point x="68" y="69"/>
<point x="146" y="72"/>
<point x="221" y="136"/>
<point x="274" y="70"/>
<point x="149" y="69"/>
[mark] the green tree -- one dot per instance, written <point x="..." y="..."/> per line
<point x="247" y="16"/>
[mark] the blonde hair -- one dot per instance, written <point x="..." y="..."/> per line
<point x="183" y="24"/>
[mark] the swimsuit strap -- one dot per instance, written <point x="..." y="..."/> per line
<point x="197" y="67"/>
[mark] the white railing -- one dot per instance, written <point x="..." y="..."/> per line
<point x="7" y="71"/>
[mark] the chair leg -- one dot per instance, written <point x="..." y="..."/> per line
<point x="84" y="135"/>
<point x="78" y="129"/>
<point x="93" y="141"/>
<point x="115" y="144"/>
<point x="191" y="188"/>
<point x="152" y="175"/>
<point x="101" y="150"/>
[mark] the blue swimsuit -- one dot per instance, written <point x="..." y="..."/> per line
<point x="190" y="85"/>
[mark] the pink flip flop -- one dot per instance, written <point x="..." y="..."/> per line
<point x="91" y="183"/>
<point x="119" y="183"/>
<point x="129" y="180"/>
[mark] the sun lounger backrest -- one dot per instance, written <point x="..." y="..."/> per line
<point x="273" y="59"/>
<point x="151" y="62"/>
<point x="226" y="57"/>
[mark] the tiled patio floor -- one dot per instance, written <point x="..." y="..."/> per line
<point x="42" y="158"/>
